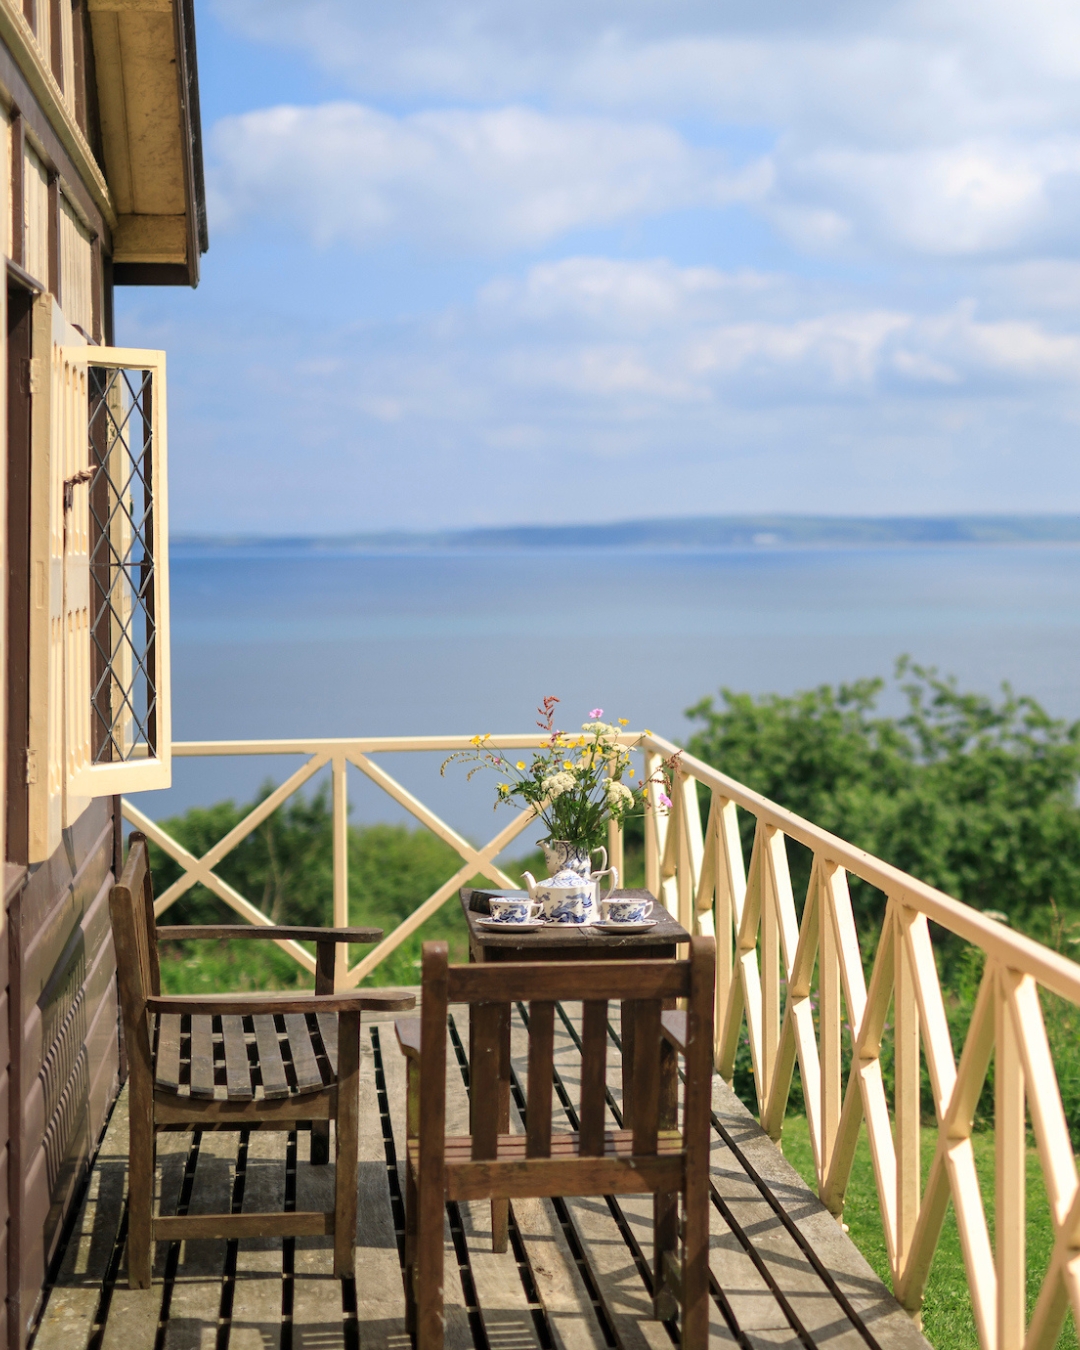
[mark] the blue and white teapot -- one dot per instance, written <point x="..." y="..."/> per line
<point x="569" y="897"/>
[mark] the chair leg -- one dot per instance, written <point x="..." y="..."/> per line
<point x="429" y="1274"/>
<point x="665" y="1246"/>
<point x="410" y="1250"/>
<point x="320" y="1142"/>
<point x="348" y="1143"/>
<point x="666" y="1206"/>
<point x="500" y="1209"/>
<point x="695" y="1269"/>
<point x="140" y="1244"/>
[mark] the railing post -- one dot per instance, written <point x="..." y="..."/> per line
<point x="655" y="827"/>
<point x="341" y="863"/>
<point x="690" y="852"/>
<point x="730" y="894"/>
<point x="770" y="968"/>
<point x="1010" y="1176"/>
<point x="906" y="1105"/>
<point x="829" y="1019"/>
<point x="616" y="856"/>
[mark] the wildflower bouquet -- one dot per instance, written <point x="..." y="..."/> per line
<point x="576" y="782"/>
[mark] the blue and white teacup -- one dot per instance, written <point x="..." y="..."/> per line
<point x="626" y="911"/>
<point x="515" y="910"/>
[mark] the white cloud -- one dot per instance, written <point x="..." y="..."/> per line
<point x="501" y="179"/>
<point x="932" y="69"/>
<point x="622" y="388"/>
<point x="607" y="329"/>
<point x="932" y="127"/>
<point x="923" y="156"/>
<point x="641" y="295"/>
<point x="967" y="199"/>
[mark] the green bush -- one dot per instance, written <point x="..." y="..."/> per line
<point x="975" y="796"/>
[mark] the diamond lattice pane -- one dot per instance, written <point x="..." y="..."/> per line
<point x="122" y="571"/>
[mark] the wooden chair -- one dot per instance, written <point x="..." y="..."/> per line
<point x="235" y="1061"/>
<point x="595" y="1160"/>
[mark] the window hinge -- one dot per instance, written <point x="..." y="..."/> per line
<point x="31" y="767"/>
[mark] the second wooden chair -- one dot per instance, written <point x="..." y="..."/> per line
<point x="235" y="1061"/>
<point x="656" y="1155"/>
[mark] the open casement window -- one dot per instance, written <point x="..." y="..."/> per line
<point x="107" y="727"/>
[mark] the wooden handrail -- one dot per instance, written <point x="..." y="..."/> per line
<point x="1050" y="968"/>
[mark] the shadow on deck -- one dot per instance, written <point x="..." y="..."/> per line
<point x="576" y="1275"/>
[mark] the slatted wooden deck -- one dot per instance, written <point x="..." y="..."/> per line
<point x="576" y="1274"/>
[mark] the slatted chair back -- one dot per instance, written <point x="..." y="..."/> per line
<point x="645" y="988"/>
<point x="131" y="906"/>
<point x="661" y="1151"/>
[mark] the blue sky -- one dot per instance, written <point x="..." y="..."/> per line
<point x="484" y="262"/>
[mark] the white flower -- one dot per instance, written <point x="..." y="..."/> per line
<point x="599" y="729"/>
<point x="618" y="794"/>
<point x="557" y="784"/>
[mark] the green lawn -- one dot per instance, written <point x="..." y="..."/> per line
<point x="948" y="1322"/>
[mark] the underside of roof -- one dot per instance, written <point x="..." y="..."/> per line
<point x="148" y="102"/>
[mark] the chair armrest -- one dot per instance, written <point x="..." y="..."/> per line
<point x="673" y="1027"/>
<point x="249" y="1005"/>
<point x="179" y="932"/>
<point x="407" y="1030"/>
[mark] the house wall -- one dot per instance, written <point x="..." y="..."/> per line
<point x="59" y="1042"/>
<point x="63" y="1053"/>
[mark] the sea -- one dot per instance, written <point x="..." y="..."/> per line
<point x="272" y="642"/>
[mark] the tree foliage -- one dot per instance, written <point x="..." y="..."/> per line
<point x="974" y="795"/>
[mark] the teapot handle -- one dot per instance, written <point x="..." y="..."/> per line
<point x="600" y="849"/>
<point x="613" y="873"/>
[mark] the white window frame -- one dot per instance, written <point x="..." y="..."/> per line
<point x="62" y="775"/>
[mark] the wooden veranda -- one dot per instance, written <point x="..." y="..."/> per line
<point x="576" y="1274"/>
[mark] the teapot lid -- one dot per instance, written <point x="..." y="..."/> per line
<point x="567" y="877"/>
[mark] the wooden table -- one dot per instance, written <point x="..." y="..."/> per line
<point x="561" y="942"/>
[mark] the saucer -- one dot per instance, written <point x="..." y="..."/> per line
<point x="639" y="926"/>
<point x="504" y="926"/>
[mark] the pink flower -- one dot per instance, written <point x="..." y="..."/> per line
<point x="665" y="800"/>
<point x="597" y="712"/>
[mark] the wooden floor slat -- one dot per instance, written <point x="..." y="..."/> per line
<point x="380" y="1292"/>
<point x="458" y="1333"/>
<point x="256" y="1313"/>
<point x="569" y="1254"/>
<point x="504" y="1309"/>
<point x="196" y="1290"/>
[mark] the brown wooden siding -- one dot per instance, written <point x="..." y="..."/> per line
<point x="62" y="1027"/>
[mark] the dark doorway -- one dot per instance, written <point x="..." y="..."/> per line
<point x="19" y="309"/>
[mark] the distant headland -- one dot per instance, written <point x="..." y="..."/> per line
<point x="686" y="533"/>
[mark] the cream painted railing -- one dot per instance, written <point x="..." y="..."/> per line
<point x="772" y="968"/>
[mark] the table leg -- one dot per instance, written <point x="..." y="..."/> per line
<point x="500" y="1209"/>
<point x="325" y="953"/>
<point x="627" y="1025"/>
<point x="666" y="1205"/>
<point x="472" y="1055"/>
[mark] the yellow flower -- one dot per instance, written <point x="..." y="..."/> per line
<point x="648" y="732"/>
<point x="504" y="787"/>
<point x="567" y="764"/>
<point x="521" y="763"/>
<point x="630" y="773"/>
<point x="623" y="721"/>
